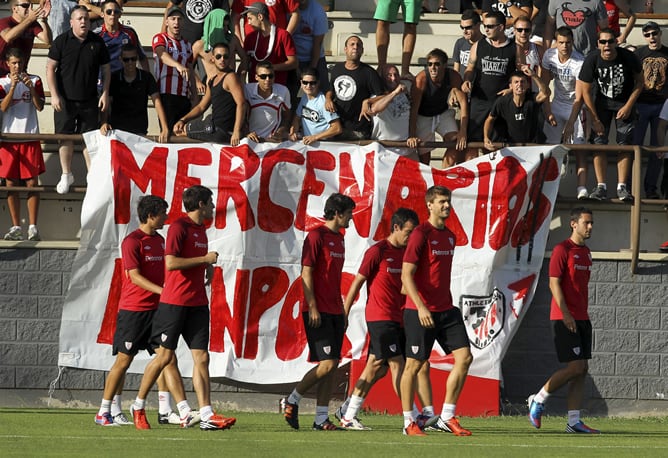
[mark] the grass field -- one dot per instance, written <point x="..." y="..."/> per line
<point x="64" y="432"/>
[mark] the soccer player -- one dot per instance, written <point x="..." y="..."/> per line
<point x="430" y="315"/>
<point x="184" y="311"/>
<point x="570" y="268"/>
<point x="322" y="263"/>
<point x="381" y="266"/>
<point x="142" y="253"/>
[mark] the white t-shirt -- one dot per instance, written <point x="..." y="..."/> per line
<point x="265" y="114"/>
<point x="21" y="118"/>
<point x="565" y="75"/>
<point x="393" y="122"/>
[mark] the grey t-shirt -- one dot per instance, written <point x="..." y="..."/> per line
<point x="582" y="17"/>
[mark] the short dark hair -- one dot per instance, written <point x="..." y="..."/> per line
<point x="129" y="47"/>
<point x="564" y="31"/>
<point x="518" y="74"/>
<point x="577" y="212"/>
<point x="264" y="64"/>
<point x="438" y="53"/>
<point x="471" y="15"/>
<point x="194" y="195"/>
<point x="436" y="191"/>
<point x="106" y="2"/>
<point x="220" y="44"/>
<point x="311" y="72"/>
<point x="499" y="16"/>
<point x="402" y="216"/>
<point x="607" y="30"/>
<point x="337" y="203"/>
<point x="14" y="52"/>
<point x="150" y="206"/>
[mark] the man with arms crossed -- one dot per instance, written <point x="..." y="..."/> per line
<point x="570" y="269"/>
<point x="430" y="314"/>
<point x="322" y="263"/>
<point x="184" y="310"/>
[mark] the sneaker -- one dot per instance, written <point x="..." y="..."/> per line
<point x="121" y="419"/>
<point x="664" y="247"/>
<point x="290" y="413"/>
<point x="580" y="427"/>
<point x="354" y="425"/>
<point x="413" y="430"/>
<point x="33" y="234"/>
<point x="423" y="420"/>
<point x="624" y="195"/>
<point x="536" y="410"/>
<point x="583" y="194"/>
<point x="139" y="417"/>
<point x="217" y="422"/>
<point x="599" y="193"/>
<point x="105" y="420"/>
<point x="15" y="233"/>
<point x="191" y="419"/>
<point x="325" y="426"/>
<point x="339" y="413"/>
<point x="171" y="418"/>
<point x="63" y="186"/>
<point x="450" y="426"/>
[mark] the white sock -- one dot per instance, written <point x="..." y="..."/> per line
<point x="408" y="418"/>
<point x="416" y="412"/>
<point x="321" y="414"/>
<point x="294" y="397"/>
<point x="116" y="404"/>
<point x="353" y="407"/>
<point x="206" y="412"/>
<point x="448" y="412"/>
<point x="427" y="411"/>
<point x="542" y="396"/>
<point x="183" y="408"/>
<point x="573" y="417"/>
<point x="344" y="406"/>
<point x="139" y="404"/>
<point x="164" y="402"/>
<point x="105" y="407"/>
<point x="620" y="186"/>
<point x="581" y="188"/>
<point x="603" y="185"/>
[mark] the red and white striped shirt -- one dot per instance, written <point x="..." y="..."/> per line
<point x="169" y="80"/>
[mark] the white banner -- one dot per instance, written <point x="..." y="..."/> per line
<point x="267" y="197"/>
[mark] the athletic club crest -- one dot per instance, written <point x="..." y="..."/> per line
<point x="484" y="317"/>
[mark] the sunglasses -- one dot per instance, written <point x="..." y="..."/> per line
<point x="115" y="12"/>
<point x="607" y="42"/>
<point x="219" y="56"/>
<point x="129" y="59"/>
<point x="466" y="27"/>
<point x="309" y="83"/>
<point x="265" y="76"/>
<point x="520" y="30"/>
<point x="433" y="64"/>
<point x="490" y="26"/>
<point x="651" y="34"/>
<point x="23" y="5"/>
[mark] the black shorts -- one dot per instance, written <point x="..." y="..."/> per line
<point x="133" y="332"/>
<point x="325" y="341"/>
<point x="572" y="346"/>
<point x="172" y="321"/>
<point x="478" y="111"/>
<point x="176" y="107"/>
<point x="76" y="117"/>
<point x="386" y="339"/>
<point x="449" y="331"/>
<point x="625" y="127"/>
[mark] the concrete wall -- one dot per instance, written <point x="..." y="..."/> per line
<point x="628" y="371"/>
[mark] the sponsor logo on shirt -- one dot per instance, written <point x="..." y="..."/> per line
<point x="152" y="258"/>
<point x="200" y="245"/>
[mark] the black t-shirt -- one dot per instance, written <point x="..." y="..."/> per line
<point x="495" y="5"/>
<point x="654" y="69"/>
<point x="79" y="64"/>
<point x="129" y="101"/>
<point x="350" y="88"/>
<point x="493" y="68"/>
<point x="541" y="17"/>
<point x="195" y="11"/>
<point x="614" y="78"/>
<point x="524" y="124"/>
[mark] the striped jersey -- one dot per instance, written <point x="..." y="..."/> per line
<point x="169" y="80"/>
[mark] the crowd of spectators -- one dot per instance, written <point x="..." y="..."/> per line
<point x="251" y="61"/>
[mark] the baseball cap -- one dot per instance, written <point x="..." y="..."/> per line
<point x="650" y="25"/>
<point x="174" y="10"/>
<point x="256" y="8"/>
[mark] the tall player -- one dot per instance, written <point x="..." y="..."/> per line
<point x="570" y="268"/>
<point x="430" y="315"/>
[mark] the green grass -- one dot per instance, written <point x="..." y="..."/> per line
<point x="65" y="432"/>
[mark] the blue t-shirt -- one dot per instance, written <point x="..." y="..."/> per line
<point x="312" y="22"/>
<point x="315" y="118"/>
